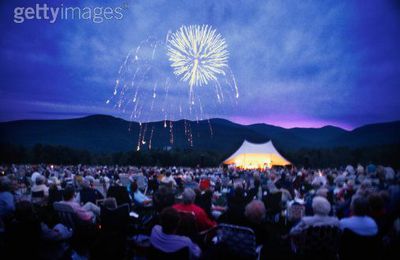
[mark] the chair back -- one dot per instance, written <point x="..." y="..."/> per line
<point x="156" y="254"/>
<point x="239" y="241"/>
<point x="188" y="224"/>
<point x="38" y="194"/>
<point x="124" y="179"/>
<point x="273" y="202"/>
<point x="37" y="197"/>
<point x="364" y="247"/>
<point x="101" y="188"/>
<point x="66" y="214"/>
<point x="115" y="220"/>
<point x="319" y="242"/>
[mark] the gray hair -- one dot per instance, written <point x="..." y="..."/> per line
<point x="188" y="196"/>
<point x="321" y="206"/>
<point x="322" y="192"/>
<point x="255" y="211"/>
<point x="40" y="180"/>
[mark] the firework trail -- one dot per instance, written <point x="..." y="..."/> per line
<point x="185" y="76"/>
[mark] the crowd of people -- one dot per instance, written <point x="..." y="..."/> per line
<point x="127" y="212"/>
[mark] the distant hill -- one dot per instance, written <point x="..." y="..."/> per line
<point x="105" y="134"/>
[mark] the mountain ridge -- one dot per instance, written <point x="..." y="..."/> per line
<point x="105" y="133"/>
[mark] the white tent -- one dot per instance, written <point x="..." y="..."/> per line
<point x="256" y="156"/>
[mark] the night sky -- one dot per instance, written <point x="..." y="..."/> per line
<point x="297" y="63"/>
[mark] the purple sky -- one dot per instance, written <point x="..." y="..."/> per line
<point x="297" y="63"/>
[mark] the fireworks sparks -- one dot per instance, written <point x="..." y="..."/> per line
<point x="146" y="90"/>
<point x="198" y="54"/>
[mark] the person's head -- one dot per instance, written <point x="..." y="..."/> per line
<point x="359" y="206"/>
<point x="168" y="173"/>
<point x="322" y="192"/>
<point x="321" y="206"/>
<point x="376" y="202"/>
<point x="255" y="211"/>
<point x="169" y="220"/>
<point x="69" y="192"/>
<point x="239" y="191"/>
<point x="40" y="180"/>
<point x="5" y="184"/>
<point x="188" y="196"/>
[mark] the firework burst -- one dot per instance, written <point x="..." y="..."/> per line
<point x="146" y="90"/>
<point x="198" y="54"/>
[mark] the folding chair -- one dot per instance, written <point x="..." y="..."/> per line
<point x="238" y="241"/>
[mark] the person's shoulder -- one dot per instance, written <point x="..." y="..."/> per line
<point x="370" y="220"/>
<point x="156" y="229"/>
<point x="345" y="220"/>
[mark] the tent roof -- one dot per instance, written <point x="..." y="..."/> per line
<point x="266" y="150"/>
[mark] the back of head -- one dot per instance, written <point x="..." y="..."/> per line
<point x="239" y="191"/>
<point x="376" y="202"/>
<point x="359" y="206"/>
<point x="322" y="192"/>
<point x="169" y="220"/>
<point x="5" y="184"/>
<point x="188" y="196"/>
<point x="40" y="180"/>
<point x="255" y="211"/>
<point x="69" y="192"/>
<point x="321" y="206"/>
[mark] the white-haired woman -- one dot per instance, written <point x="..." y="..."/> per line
<point x="321" y="208"/>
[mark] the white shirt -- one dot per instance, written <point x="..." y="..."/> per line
<point x="41" y="187"/>
<point x="169" y="179"/>
<point x="364" y="226"/>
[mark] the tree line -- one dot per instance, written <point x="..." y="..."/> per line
<point x="387" y="155"/>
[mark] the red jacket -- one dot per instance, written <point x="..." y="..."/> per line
<point x="202" y="219"/>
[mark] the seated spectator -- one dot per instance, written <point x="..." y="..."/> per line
<point x="163" y="237"/>
<point x="163" y="198"/>
<point x="120" y="193"/>
<point x="38" y="187"/>
<point x="55" y="194"/>
<point x="203" y="221"/>
<point x="153" y="184"/>
<point x="88" y="193"/>
<point x="204" y="200"/>
<point x="321" y="208"/>
<point x="255" y="216"/>
<point x="378" y="212"/>
<point x="23" y="233"/>
<point x="86" y="212"/>
<point x="360" y="223"/>
<point x="236" y="205"/>
<point x="57" y="233"/>
<point x="7" y="203"/>
<point x="137" y="196"/>
<point x="168" y="179"/>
